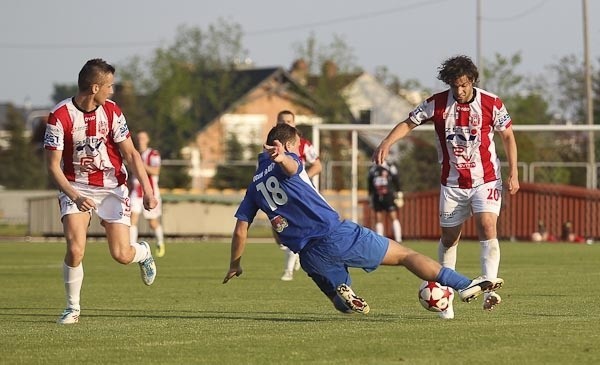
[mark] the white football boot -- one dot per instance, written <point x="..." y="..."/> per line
<point x="69" y="316"/>
<point x="491" y="300"/>
<point x="148" y="267"/>
<point x="287" y="276"/>
<point x="479" y="286"/>
<point x="448" y="313"/>
<point x="354" y="302"/>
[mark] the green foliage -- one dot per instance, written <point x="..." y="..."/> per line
<point x="21" y="167"/>
<point x="234" y="173"/>
<point x="395" y="84"/>
<point x="188" y="317"/>
<point x="185" y="86"/>
<point x="420" y="167"/>
<point x="317" y="54"/>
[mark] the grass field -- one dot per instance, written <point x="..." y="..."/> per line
<point x="549" y="314"/>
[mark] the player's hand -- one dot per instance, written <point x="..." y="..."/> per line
<point x="380" y="154"/>
<point x="513" y="185"/>
<point x="276" y="152"/>
<point x="150" y="202"/>
<point x="84" y="204"/>
<point x="233" y="272"/>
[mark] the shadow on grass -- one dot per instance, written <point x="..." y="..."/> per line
<point x="275" y="316"/>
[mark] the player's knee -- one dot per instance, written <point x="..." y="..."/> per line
<point x="121" y="257"/>
<point x="340" y="305"/>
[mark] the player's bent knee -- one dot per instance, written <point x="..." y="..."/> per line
<point x="122" y="258"/>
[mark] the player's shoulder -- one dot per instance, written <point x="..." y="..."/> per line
<point x="110" y="106"/>
<point x="62" y="112"/>
<point x="62" y="106"/>
<point x="440" y="95"/>
<point x="304" y="141"/>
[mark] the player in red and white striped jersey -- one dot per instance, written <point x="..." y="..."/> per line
<point x="152" y="162"/>
<point x="86" y="142"/>
<point x="310" y="159"/>
<point x="465" y="120"/>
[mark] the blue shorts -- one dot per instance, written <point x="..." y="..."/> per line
<point x="326" y="260"/>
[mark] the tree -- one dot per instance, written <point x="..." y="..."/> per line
<point x="317" y="54"/>
<point x="237" y="175"/>
<point x="19" y="169"/>
<point x="185" y="85"/>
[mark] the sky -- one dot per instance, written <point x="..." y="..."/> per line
<point x="43" y="43"/>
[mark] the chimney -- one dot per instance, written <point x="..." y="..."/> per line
<point x="299" y="71"/>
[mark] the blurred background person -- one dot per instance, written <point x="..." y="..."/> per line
<point x="152" y="162"/>
<point x="384" y="193"/>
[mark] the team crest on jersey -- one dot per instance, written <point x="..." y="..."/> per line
<point x="103" y="127"/>
<point x="279" y="223"/>
<point x="474" y="120"/>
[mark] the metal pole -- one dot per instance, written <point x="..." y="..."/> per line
<point x="355" y="176"/>
<point x="479" y="57"/>
<point x="592" y="184"/>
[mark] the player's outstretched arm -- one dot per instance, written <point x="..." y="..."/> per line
<point x="277" y="154"/>
<point x="238" y="244"/>
<point x="399" y="131"/>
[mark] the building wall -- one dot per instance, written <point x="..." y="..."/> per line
<point x="266" y="100"/>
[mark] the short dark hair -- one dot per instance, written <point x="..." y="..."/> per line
<point x="92" y="73"/>
<point x="285" y="112"/>
<point x="282" y="132"/>
<point x="455" y="67"/>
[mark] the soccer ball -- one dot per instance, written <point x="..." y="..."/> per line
<point x="435" y="297"/>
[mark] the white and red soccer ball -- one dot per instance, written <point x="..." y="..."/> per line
<point x="435" y="297"/>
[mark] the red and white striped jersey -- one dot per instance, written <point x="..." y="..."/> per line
<point x="307" y="151"/>
<point x="151" y="157"/>
<point x="88" y="141"/>
<point x="465" y="136"/>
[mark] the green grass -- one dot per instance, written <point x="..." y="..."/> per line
<point x="549" y="314"/>
<point x="12" y="230"/>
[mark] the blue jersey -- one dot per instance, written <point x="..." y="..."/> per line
<point x="298" y="213"/>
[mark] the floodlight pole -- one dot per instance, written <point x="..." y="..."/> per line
<point x="478" y="46"/>
<point x="591" y="183"/>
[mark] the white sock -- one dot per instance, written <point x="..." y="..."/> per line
<point x="133" y="234"/>
<point x="447" y="256"/>
<point x="160" y="236"/>
<point x="290" y="260"/>
<point x="397" y="230"/>
<point x="379" y="228"/>
<point x="73" y="278"/>
<point x="490" y="258"/>
<point x="141" y="252"/>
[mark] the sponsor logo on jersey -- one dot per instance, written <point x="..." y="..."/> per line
<point x="465" y="165"/>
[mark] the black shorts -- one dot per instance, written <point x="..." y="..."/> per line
<point x="383" y="203"/>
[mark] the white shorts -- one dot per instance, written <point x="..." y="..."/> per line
<point x="457" y="205"/>
<point x="112" y="204"/>
<point x="137" y="206"/>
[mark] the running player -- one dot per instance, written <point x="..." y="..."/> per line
<point x="86" y="142"/>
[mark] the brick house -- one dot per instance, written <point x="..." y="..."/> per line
<point x="265" y="92"/>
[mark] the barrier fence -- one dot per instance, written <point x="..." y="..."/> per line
<point x="519" y="217"/>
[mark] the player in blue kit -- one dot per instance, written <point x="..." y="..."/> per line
<point x="327" y="245"/>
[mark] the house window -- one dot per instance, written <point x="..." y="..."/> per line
<point x="247" y="129"/>
<point x="364" y="116"/>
